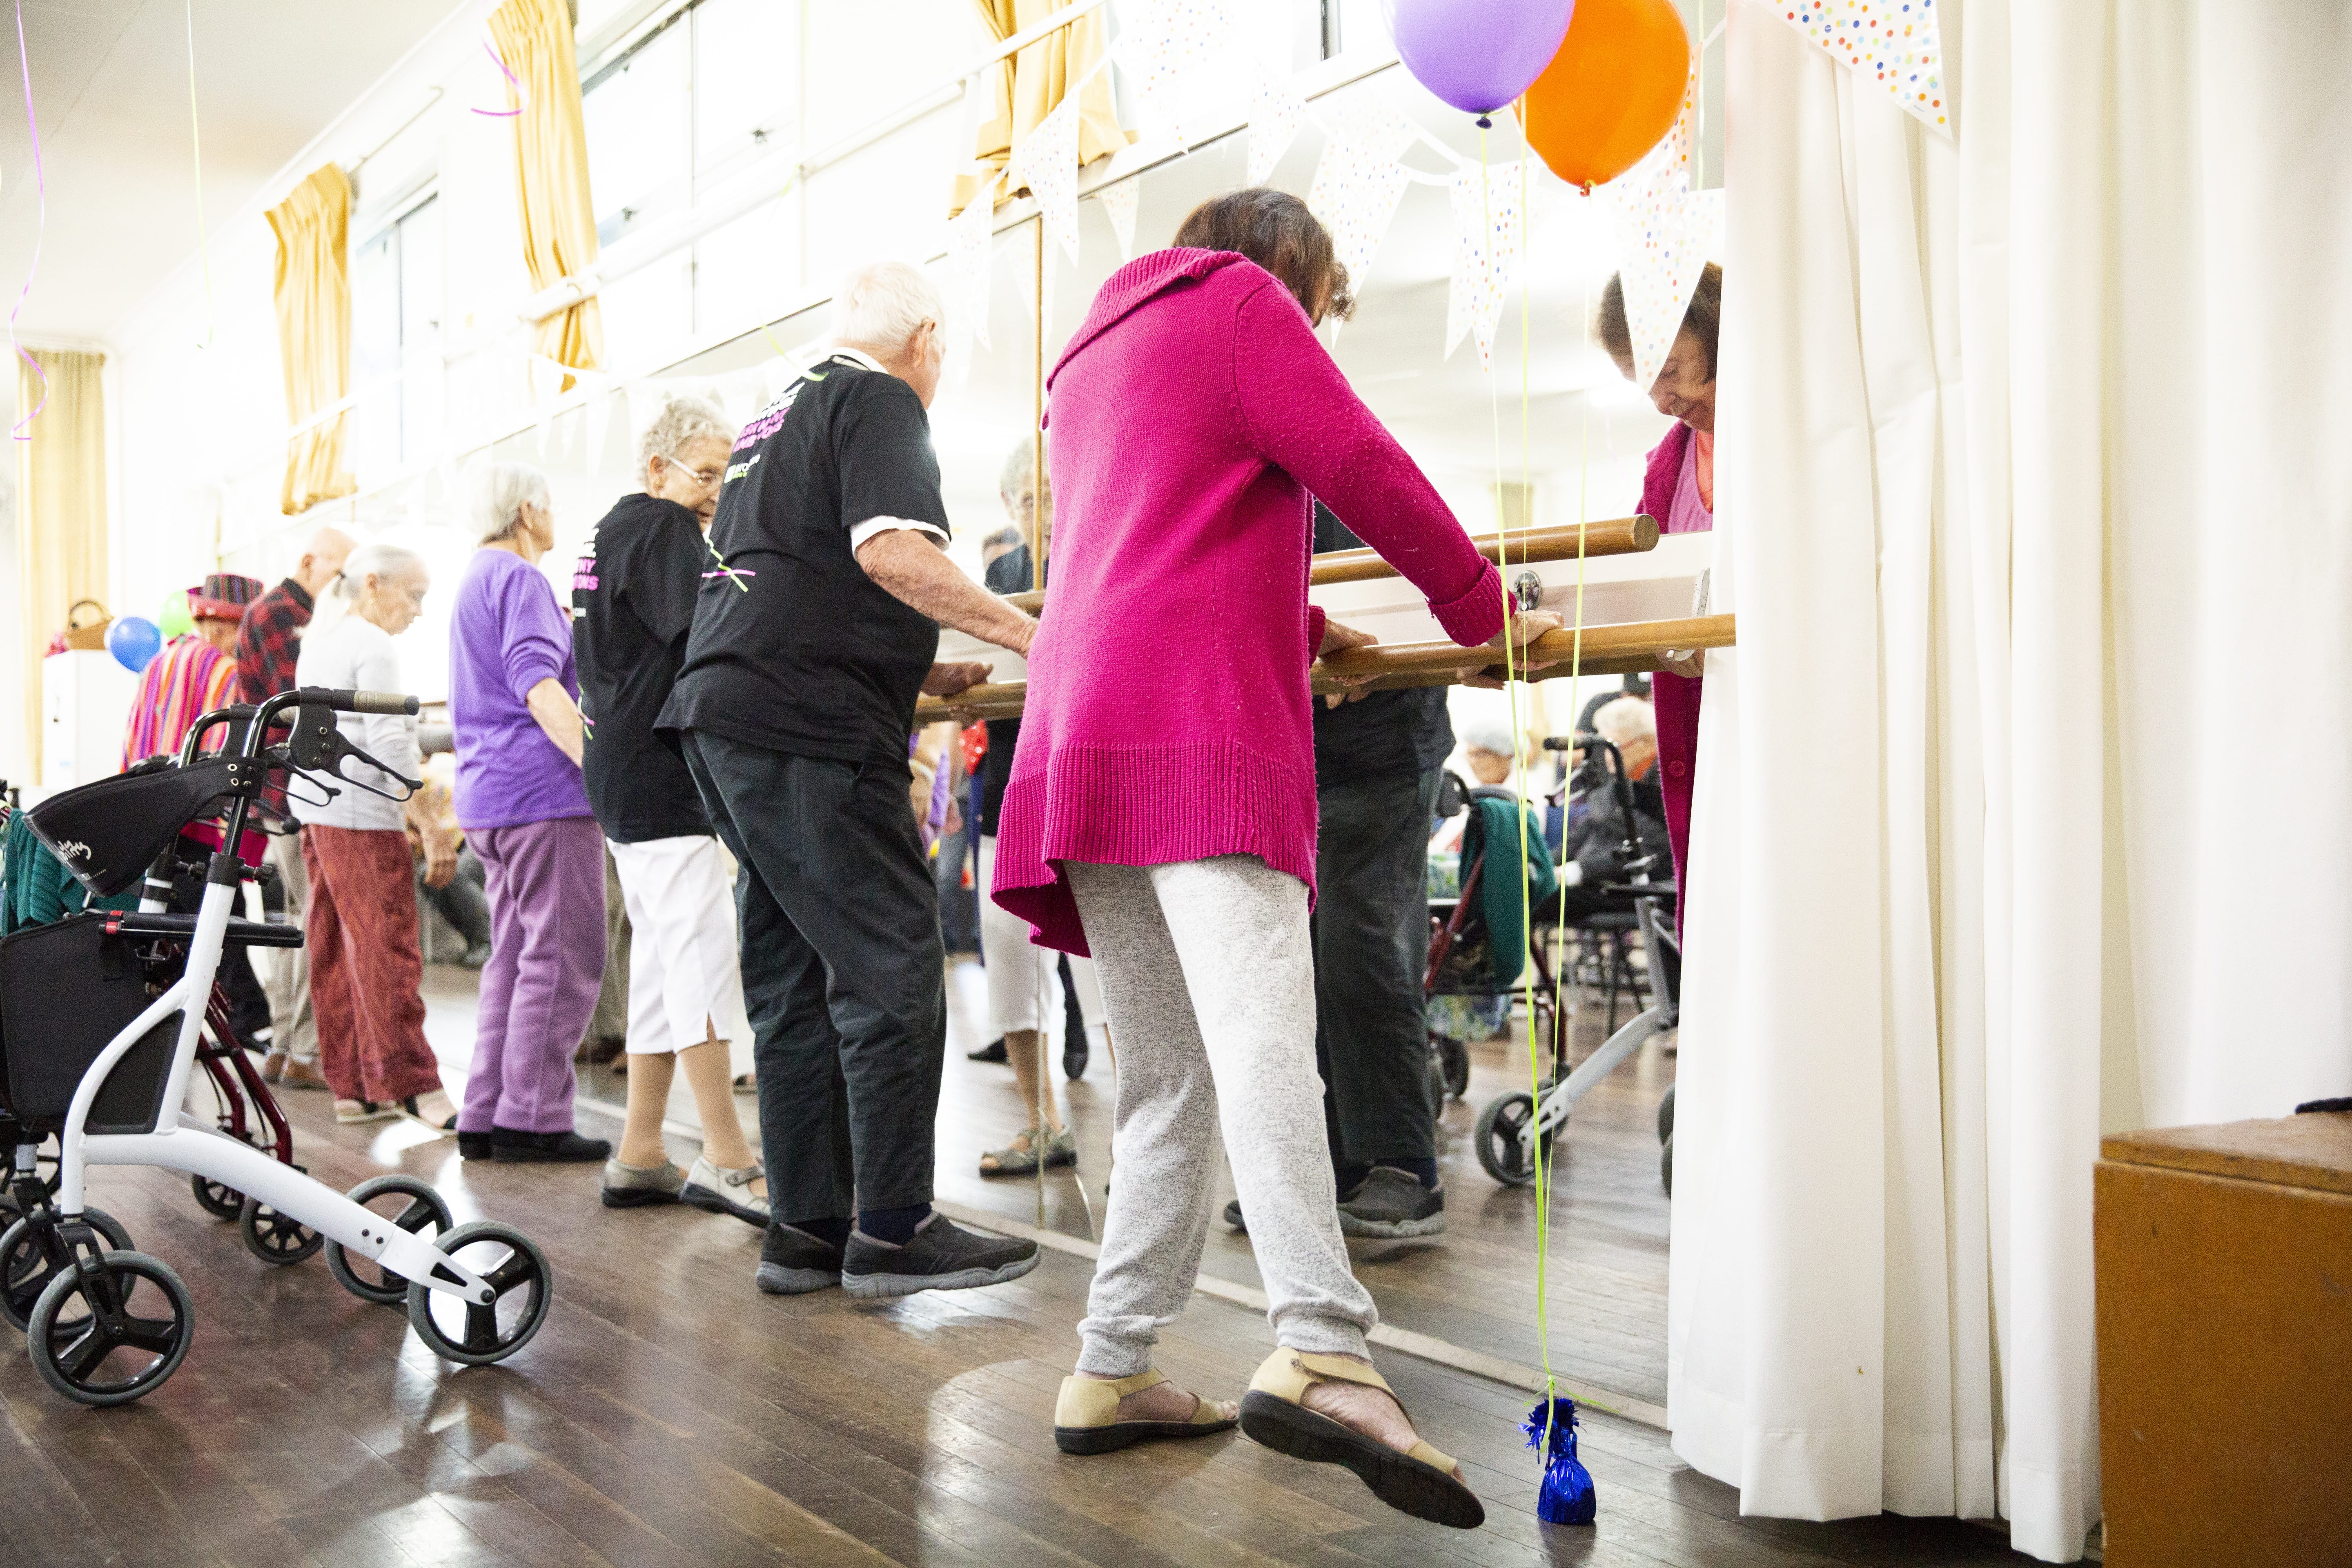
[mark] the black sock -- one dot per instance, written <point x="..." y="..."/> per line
<point x="1422" y="1170"/>
<point x="896" y="1226"/>
<point x="832" y="1232"/>
<point x="1350" y="1177"/>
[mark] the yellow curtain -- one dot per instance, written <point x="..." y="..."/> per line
<point x="1025" y="88"/>
<point x="60" y="508"/>
<point x="314" y="333"/>
<point x="558" y="220"/>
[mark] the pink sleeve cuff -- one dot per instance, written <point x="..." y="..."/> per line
<point x="1477" y="615"/>
<point x="1316" y="621"/>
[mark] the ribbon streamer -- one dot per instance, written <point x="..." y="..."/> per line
<point x="41" y="187"/>
<point x="196" y="151"/>
<point x="522" y="97"/>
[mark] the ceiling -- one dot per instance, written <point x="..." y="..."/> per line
<point x="110" y="85"/>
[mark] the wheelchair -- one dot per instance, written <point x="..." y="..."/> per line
<point x="1516" y="1126"/>
<point x="1461" y="962"/>
<point x="100" y="1028"/>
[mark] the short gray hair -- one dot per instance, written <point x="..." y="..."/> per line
<point x="1019" y="464"/>
<point x="378" y="559"/>
<point x="500" y="492"/>
<point x="1625" y="720"/>
<point x="1492" y="736"/>
<point x="883" y="304"/>
<point x="682" y="418"/>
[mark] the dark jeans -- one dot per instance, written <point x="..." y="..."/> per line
<point x="842" y="974"/>
<point x="462" y="901"/>
<point x="1371" y="947"/>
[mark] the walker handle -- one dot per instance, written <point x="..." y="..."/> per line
<point x="391" y="702"/>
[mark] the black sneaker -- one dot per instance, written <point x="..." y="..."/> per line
<point x="940" y="1257"/>
<point x="1234" y="1215"/>
<point x="506" y="1143"/>
<point x="1393" y="1204"/>
<point x="1075" y="1054"/>
<point x="991" y="1052"/>
<point x="792" y="1262"/>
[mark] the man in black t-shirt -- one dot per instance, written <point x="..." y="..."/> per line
<point x="1377" y="760"/>
<point x="815" y="629"/>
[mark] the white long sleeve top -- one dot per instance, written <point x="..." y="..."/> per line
<point x="356" y="654"/>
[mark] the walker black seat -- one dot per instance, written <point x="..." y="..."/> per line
<point x="67" y="989"/>
<point x="110" y="832"/>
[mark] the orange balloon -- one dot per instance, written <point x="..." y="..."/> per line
<point x="1613" y="90"/>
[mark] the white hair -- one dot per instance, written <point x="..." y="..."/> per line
<point x="1490" y="735"/>
<point x="1019" y="464"/>
<point x="682" y="418"/>
<point x="1626" y="720"/>
<point x="500" y="492"/>
<point x="882" y="304"/>
<point x="378" y="559"/>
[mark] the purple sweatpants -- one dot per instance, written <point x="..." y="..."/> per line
<point x="546" y="885"/>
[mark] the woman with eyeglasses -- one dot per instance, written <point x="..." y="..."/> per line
<point x="632" y="607"/>
<point x="365" y="964"/>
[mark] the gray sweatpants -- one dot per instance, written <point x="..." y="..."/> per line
<point x="292" y="1027"/>
<point x="1208" y="982"/>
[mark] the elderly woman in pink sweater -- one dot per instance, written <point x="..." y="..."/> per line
<point x="1161" y="807"/>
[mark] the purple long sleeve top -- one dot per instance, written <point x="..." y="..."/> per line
<point x="506" y="634"/>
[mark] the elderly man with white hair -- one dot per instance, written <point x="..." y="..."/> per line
<point x="632" y="607"/>
<point x="1592" y="852"/>
<point x="268" y="642"/>
<point x="816" y="629"/>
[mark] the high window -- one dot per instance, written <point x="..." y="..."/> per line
<point x="396" y="327"/>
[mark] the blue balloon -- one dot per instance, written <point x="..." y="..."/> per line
<point x="134" y="642"/>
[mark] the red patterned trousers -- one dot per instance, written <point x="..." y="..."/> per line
<point x="365" y="969"/>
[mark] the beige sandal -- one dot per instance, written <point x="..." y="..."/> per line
<point x="1086" y="1416"/>
<point x="1420" y="1482"/>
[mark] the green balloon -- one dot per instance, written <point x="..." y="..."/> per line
<point x="171" y="617"/>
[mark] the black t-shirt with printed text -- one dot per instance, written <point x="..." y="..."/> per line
<point x="793" y="648"/>
<point x="632" y="608"/>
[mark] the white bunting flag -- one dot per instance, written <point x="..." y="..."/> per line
<point x="1355" y="192"/>
<point x="970" y="234"/>
<point x="1276" y="111"/>
<point x="1488" y="224"/>
<point x="1898" y="44"/>
<point x="1161" y="41"/>
<point x="1047" y="162"/>
<point x="1660" y="251"/>
<point x="1119" y="204"/>
<point x="595" y="413"/>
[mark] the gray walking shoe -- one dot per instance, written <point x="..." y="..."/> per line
<point x="722" y="1190"/>
<point x="1020" y="1158"/>
<point x="940" y="1257"/>
<point x="1391" y="1204"/>
<point x="792" y="1262"/>
<point x="634" y="1186"/>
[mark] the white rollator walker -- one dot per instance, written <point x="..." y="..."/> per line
<point x="1515" y="1125"/>
<point x="100" y="1019"/>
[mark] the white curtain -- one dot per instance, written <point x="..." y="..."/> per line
<point x="2022" y="808"/>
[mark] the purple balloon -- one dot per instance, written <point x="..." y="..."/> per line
<point x="1478" y="54"/>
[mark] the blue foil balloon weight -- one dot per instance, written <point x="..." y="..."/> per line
<point x="1567" y="1495"/>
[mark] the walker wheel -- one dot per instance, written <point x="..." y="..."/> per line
<point x="274" y="1237"/>
<point x="111" y="1338"/>
<point x="218" y="1199"/>
<point x="28" y="1266"/>
<point x="1666" y="1164"/>
<point x="1455" y="1058"/>
<point x="1506" y="1138"/>
<point x="406" y="1203"/>
<point x="1666" y="1114"/>
<point x="477" y="1333"/>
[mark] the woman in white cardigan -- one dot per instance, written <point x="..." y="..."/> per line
<point x="365" y="967"/>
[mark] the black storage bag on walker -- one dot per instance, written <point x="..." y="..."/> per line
<point x="67" y="989"/>
<point x="108" y="833"/>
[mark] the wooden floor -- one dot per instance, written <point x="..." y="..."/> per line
<point x="669" y="1413"/>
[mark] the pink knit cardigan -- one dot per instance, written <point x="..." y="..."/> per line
<point x="1168" y="715"/>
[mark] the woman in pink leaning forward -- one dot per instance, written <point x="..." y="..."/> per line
<point x="1161" y="807"/>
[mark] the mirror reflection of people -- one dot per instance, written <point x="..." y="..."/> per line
<point x="1679" y="491"/>
<point x="513" y="705"/>
<point x="269" y="641"/>
<point x="817" y="630"/>
<point x="1170" y="828"/>
<point x="1020" y="975"/>
<point x="633" y="605"/>
<point x="366" y="966"/>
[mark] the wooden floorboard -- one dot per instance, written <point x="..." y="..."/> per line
<point x="669" y="1413"/>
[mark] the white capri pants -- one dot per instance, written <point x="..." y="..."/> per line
<point x="1021" y="975"/>
<point x="685" y="977"/>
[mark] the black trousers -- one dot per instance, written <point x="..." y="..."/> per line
<point x="1371" y="931"/>
<point x="843" y="973"/>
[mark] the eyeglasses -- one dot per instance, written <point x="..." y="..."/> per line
<point x="706" y="478"/>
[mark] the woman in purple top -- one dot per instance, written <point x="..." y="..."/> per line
<point x="514" y="705"/>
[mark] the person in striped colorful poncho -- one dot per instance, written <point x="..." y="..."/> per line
<point x="194" y="674"/>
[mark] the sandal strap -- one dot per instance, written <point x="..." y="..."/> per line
<point x="1094" y="1401"/>
<point x="1287" y="1374"/>
<point x="1428" y="1455"/>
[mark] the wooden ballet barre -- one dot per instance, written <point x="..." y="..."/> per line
<point x="1616" y="536"/>
<point x="1626" y="649"/>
